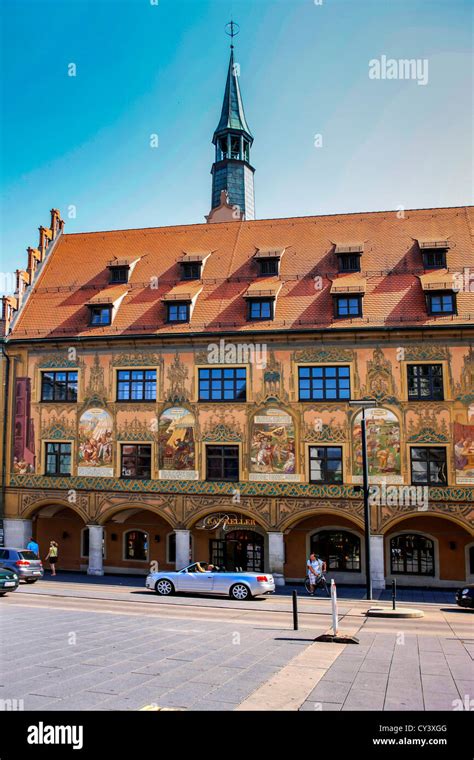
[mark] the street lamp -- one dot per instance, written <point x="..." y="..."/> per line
<point x="365" y="404"/>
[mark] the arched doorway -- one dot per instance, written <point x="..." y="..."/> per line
<point x="63" y="525"/>
<point x="426" y="550"/>
<point x="135" y="538"/>
<point x="412" y="554"/>
<point x="239" y="550"/>
<point x="337" y="540"/>
<point x="340" y="549"/>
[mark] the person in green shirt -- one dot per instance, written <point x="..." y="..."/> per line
<point x="52" y="555"/>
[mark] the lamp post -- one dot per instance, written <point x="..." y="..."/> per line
<point x="365" y="404"/>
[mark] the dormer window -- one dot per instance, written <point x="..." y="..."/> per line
<point x="434" y="253"/>
<point x="269" y="266"/>
<point x="120" y="270"/>
<point x="349" y="262"/>
<point x="192" y="265"/>
<point x="268" y="260"/>
<point x="346" y="307"/>
<point x="348" y="257"/>
<point x="440" y="302"/>
<point x="177" y="311"/>
<point x="261" y="299"/>
<point x="103" y="306"/>
<point x="191" y="270"/>
<point x="100" y="315"/>
<point x="180" y="301"/>
<point x="434" y="259"/>
<point x="119" y="274"/>
<point x="260" y="309"/>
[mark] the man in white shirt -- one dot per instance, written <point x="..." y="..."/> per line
<point x="314" y="569"/>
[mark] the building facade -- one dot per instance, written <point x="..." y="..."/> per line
<point x="183" y="392"/>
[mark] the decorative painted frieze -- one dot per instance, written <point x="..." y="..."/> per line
<point x="136" y="359"/>
<point x="428" y="426"/>
<point x="324" y="355"/>
<point x="58" y="428"/>
<point x="177" y="375"/>
<point x="380" y="383"/>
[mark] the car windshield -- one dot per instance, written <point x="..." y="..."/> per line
<point x="27" y="555"/>
<point x="195" y="569"/>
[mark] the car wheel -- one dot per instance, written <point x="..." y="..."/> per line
<point x="3" y="593"/>
<point x="31" y="580"/>
<point x="240" y="592"/>
<point x="164" y="587"/>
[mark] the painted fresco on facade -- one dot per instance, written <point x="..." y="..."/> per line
<point x="177" y="444"/>
<point x="324" y="425"/>
<point x="272" y="446"/>
<point x="383" y="446"/>
<point x="24" y="433"/>
<point x="464" y="452"/>
<point x="95" y="444"/>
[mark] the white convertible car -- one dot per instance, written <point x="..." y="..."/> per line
<point x="192" y="580"/>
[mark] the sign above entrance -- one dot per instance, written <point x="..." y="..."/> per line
<point x="225" y="520"/>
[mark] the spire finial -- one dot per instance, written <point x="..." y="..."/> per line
<point x="232" y="29"/>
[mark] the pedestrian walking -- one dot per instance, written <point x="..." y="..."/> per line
<point x="32" y="546"/>
<point x="52" y="555"/>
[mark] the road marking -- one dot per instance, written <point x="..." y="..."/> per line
<point x="157" y="708"/>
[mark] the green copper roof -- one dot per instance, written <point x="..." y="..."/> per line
<point x="232" y="116"/>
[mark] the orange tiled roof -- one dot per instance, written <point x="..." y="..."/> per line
<point x="270" y="253"/>
<point x="184" y="291"/>
<point x="125" y="262"/>
<point x="76" y="269"/>
<point x="438" y="279"/>
<point x="349" y="247"/>
<point x="268" y="286"/>
<point x="195" y="257"/>
<point x="108" y="295"/>
<point x="349" y="283"/>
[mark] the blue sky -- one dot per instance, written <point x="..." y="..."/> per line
<point x="142" y="69"/>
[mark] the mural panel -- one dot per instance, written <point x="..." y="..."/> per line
<point x="383" y="446"/>
<point x="464" y="450"/>
<point x="177" y="445"/>
<point x="272" y="447"/>
<point x="95" y="444"/>
<point x="24" y="459"/>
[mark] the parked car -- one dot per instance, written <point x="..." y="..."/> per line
<point x="23" y="562"/>
<point x="237" y="585"/>
<point x="465" y="596"/>
<point x="9" y="581"/>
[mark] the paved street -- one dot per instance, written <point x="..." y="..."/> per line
<point x="70" y="644"/>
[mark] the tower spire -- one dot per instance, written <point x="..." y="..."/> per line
<point x="231" y="171"/>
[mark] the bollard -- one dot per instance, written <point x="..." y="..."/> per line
<point x="334" y="636"/>
<point x="335" y="622"/>
<point x="295" y="611"/>
<point x="394" y="594"/>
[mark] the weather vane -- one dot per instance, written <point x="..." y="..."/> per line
<point x="232" y="29"/>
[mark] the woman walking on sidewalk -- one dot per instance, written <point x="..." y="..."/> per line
<point x="52" y="555"/>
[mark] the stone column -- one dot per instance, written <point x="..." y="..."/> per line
<point x="183" y="547"/>
<point x="377" y="567"/>
<point x="276" y="556"/>
<point x="17" y="532"/>
<point x="96" y="560"/>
